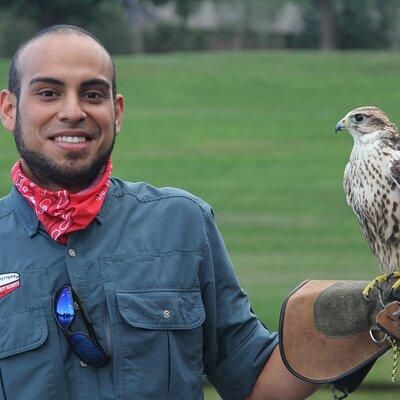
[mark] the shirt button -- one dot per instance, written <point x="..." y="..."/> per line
<point x="83" y="364"/>
<point x="72" y="252"/>
<point x="167" y="314"/>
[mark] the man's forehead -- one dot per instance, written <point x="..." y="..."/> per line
<point x="66" y="55"/>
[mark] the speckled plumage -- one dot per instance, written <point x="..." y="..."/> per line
<point x="372" y="182"/>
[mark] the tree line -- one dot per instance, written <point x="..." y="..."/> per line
<point x="326" y="24"/>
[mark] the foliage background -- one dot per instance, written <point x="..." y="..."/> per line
<point x="133" y="26"/>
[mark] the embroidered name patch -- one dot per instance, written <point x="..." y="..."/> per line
<point x="8" y="283"/>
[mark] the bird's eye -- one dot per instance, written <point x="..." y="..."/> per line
<point x="359" y="117"/>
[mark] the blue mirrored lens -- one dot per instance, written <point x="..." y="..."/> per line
<point x="86" y="349"/>
<point x="65" y="311"/>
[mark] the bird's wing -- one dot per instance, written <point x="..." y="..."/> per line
<point x="394" y="170"/>
<point x="394" y="167"/>
<point x="346" y="183"/>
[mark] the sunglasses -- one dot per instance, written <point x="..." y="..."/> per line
<point x="86" y="347"/>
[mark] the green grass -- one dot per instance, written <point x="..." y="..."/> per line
<point x="363" y="393"/>
<point x="325" y="394"/>
<point x="252" y="134"/>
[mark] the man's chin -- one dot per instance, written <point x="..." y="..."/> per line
<point x="72" y="175"/>
<point x="73" y="172"/>
<point x="80" y="175"/>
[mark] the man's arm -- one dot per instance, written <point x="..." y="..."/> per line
<point x="276" y="383"/>
<point x="237" y="345"/>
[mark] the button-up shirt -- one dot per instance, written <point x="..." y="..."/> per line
<point x="154" y="276"/>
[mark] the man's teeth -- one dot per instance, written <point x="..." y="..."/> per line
<point x="71" y="139"/>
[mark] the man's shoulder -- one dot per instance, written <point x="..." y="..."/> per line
<point x="145" y="193"/>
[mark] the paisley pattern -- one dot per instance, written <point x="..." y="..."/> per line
<point x="62" y="212"/>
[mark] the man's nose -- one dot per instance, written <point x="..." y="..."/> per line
<point x="71" y="110"/>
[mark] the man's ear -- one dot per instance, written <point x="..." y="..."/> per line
<point x="119" y="111"/>
<point x="8" y="110"/>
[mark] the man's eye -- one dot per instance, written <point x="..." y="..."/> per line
<point x="359" y="117"/>
<point x="92" y="96"/>
<point x="47" y="93"/>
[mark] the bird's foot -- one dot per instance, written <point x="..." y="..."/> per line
<point x="382" y="278"/>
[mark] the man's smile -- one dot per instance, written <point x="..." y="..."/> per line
<point x="72" y="143"/>
<point x="71" y="134"/>
<point x="71" y="139"/>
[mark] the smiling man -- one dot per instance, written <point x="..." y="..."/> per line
<point x="109" y="289"/>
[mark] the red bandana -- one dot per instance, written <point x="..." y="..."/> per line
<point x="61" y="212"/>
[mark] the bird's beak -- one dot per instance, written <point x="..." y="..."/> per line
<point x="341" y="125"/>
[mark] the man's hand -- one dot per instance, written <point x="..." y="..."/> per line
<point x="276" y="383"/>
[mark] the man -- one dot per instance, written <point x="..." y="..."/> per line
<point x="111" y="290"/>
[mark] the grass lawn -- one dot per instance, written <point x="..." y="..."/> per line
<point x="325" y="394"/>
<point x="252" y="134"/>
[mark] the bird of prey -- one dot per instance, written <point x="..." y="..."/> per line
<point x="372" y="181"/>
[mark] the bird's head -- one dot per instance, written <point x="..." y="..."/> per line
<point x="365" y="121"/>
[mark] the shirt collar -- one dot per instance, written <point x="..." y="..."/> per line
<point x="30" y="221"/>
<point x="25" y="212"/>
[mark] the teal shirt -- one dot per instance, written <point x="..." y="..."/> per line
<point x="154" y="276"/>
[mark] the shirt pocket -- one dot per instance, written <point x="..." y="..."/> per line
<point x="161" y="342"/>
<point x="26" y="367"/>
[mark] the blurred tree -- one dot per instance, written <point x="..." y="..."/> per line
<point x="395" y="33"/>
<point x="310" y="37"/>
<point x="246" y="24"/>
<point x="14" y="29"/>
<point x="320" y="27"/>
<point x="348" y="24"/>
<point x="117" y="37"/>
<point x="327" y="24"/>
<point x="136" y="10"/>
<point x="365" y="23"/>
<point x="242" y="10"/>
<point x="315" y="13"/>
<point x="21" y="18"/>
<point x="50" y="12"/>
<point x="184" y="8"/>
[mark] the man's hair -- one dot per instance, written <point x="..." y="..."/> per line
<point x="14" y="82"/>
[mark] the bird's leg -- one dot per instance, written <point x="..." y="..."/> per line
<point x="371" y="285"/>
<point x="382" y="278"/>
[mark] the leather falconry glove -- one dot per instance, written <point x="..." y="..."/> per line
<point x="334" y="331"/>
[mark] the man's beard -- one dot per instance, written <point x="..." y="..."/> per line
<point x="46" y="171"/>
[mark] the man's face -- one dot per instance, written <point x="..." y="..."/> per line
<point x="66" y="118"/>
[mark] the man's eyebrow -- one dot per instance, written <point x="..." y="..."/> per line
<point x="45" y="79"/>
<point x="96" y="81"/>
<point x="85" y="84"/>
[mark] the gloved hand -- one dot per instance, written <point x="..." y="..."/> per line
<point x="330" y="332"/>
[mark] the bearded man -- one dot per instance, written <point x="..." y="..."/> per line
<point x="109" y="289"/>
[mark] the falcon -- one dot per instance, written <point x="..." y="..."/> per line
<point x="372" y="181"/>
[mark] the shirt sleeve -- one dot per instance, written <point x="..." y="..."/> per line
<point x="236" y="344"/>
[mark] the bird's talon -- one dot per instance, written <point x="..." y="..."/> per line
<point x="367" y="290"/>
<point x="396" y="285"/>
